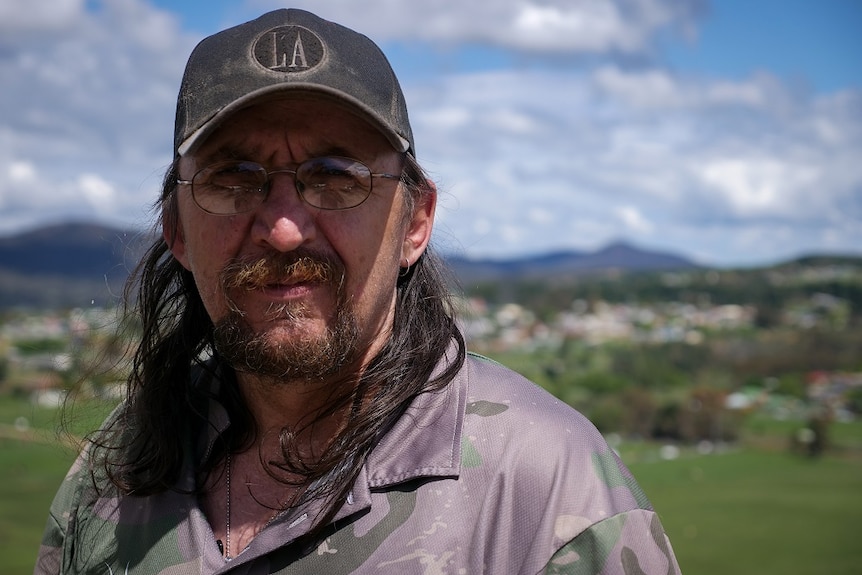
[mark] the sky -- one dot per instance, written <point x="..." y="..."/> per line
<point x="728" y="131"/>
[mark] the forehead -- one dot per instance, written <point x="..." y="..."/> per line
<point x="293" y="130"/>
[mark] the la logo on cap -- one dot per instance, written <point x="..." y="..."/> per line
<point x="288" y="49"/>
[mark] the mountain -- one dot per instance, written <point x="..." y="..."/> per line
<point x="76" y="250"/>
<point x="67" y="265"/>
<point x="618" y="256"/>
<point x="84" y="264"/>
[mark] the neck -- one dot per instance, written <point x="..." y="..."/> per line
<point x="296" y="422"/>
<point x="313" y="412"/>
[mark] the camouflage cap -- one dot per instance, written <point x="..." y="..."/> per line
<point x="288" y="52"/>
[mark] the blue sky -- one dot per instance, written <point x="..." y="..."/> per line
<point x="817" y="43"/>
<point x="728" y="131"/>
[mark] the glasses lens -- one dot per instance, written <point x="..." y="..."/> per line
<point x="333" y="183"/>
<point x="229" y="187"/>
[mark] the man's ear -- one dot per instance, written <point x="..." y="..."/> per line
<point x="418" y="232"/>
<point x="172" y="232"/>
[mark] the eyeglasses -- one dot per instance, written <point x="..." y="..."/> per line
<point x="328" y="183"/>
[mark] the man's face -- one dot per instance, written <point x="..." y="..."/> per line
<point x="342" y="290"/>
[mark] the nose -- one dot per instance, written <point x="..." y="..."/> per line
<point x="283" y="221"/>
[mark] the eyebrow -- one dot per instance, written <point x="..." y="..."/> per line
<point x="327" y="149"/>
<point x="239" y="151"/>
<point x="227" y="152"/>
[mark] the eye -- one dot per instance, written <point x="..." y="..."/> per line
<point x="229" y="187"/>
<point x="334" y="183"/>
<point x="236" y="176"/>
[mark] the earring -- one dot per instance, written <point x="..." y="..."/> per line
<point x="405" y="269"/>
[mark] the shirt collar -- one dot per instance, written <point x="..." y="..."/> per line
<point x="426" y="440"/>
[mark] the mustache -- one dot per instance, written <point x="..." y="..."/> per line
<point x="298" y="266"/>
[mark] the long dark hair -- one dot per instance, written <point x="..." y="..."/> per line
<point x="138" y="449"/>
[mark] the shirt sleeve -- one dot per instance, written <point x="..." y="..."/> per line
<point x="49" y="561"/>
<point x="630" y="543"/>
<point x="51" y="550"/>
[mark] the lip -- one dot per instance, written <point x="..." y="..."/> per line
<point x="292" y="290"/>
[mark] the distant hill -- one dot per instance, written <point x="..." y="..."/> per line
<point x="67" y="265"/>
<point x="617" y="256"/>
<point x="84" y="264"/>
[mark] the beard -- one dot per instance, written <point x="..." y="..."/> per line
<point x="284" y="352"/>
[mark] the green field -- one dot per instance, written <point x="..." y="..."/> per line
<point x="743" y="511"/>
<point x="750" y="512"/>
<point x="32" y="472"/>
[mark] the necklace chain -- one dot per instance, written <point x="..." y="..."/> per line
<point x="227" y="512"/>
<point x="275" y="514"/>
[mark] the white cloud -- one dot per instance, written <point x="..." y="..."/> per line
<point x="679" y="163"/>
<point x="22" y="172"/>
<point x="26" y="16"/>
<point x="762" y="186"/>
<point x="541" y="216"/>
<point x="549" y="26"/>
<point x="98" y="192"/>
<point x="658" y="89"/>
<point x="87" y="104"/>
<point x="648" y="89"/>
<point x="634" y="220"/>
<point x="595" y="26"/>
<point x="527" y="159"/>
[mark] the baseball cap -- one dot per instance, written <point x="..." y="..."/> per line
<point x="288" y="52"/>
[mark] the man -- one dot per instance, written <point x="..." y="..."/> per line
<point x="301" y="400"/>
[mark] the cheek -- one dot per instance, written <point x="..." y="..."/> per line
<point x="372" y="261"/>
<point x="371" y="246"/>
<point x="208" y="246"/>
<point x="209" y="237"/>
<point x="206" y="276"/>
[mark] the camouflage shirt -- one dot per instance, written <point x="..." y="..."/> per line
<point x="491" y="475"/>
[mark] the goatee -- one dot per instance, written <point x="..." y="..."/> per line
<point x="276" y="357"/>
